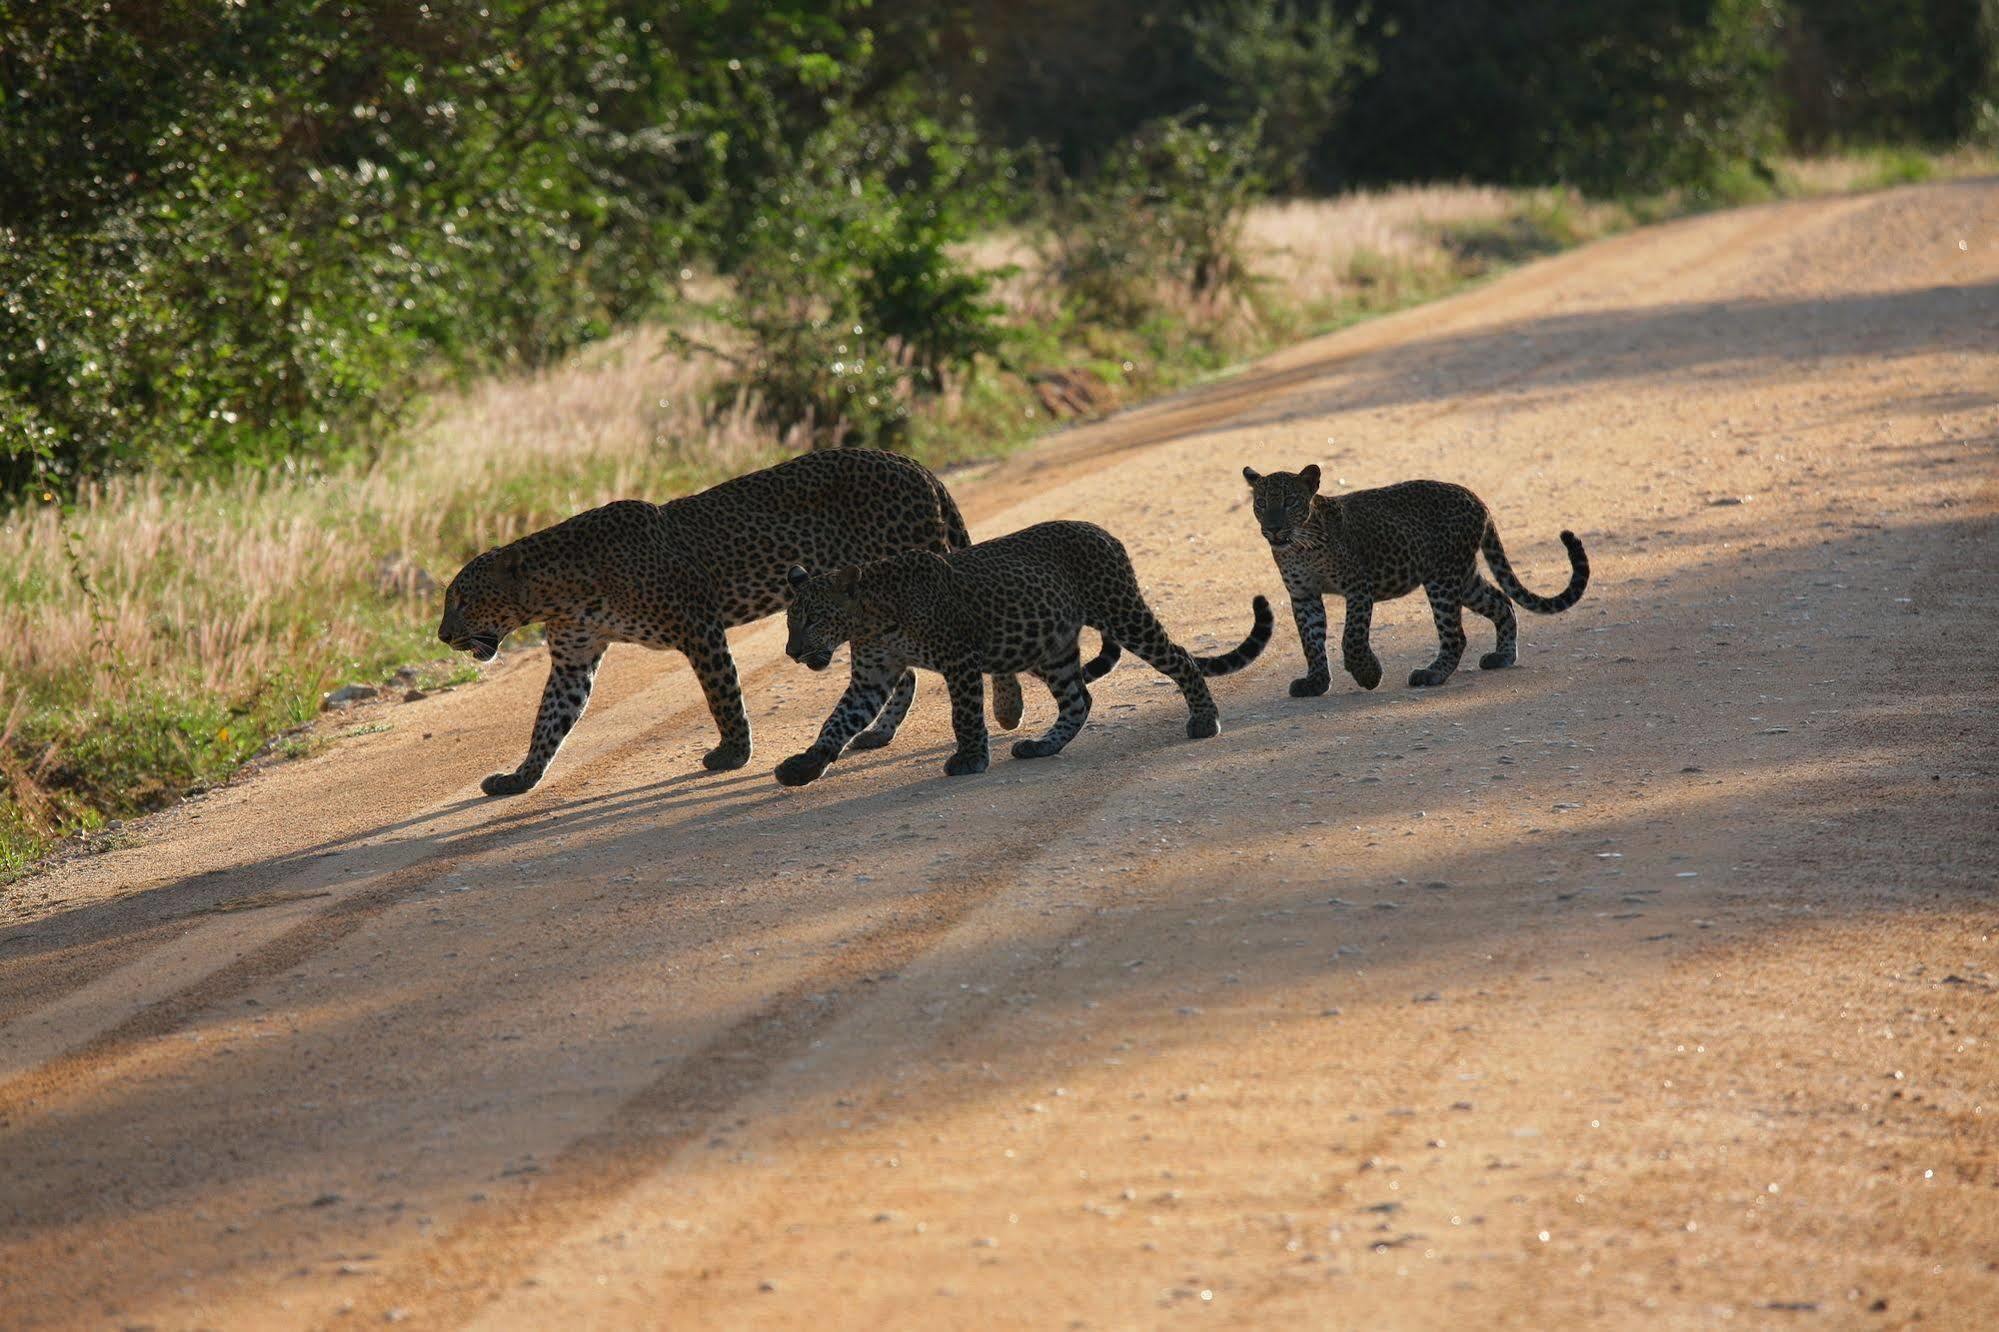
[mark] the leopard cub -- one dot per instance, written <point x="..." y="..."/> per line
<point x="1012" y="604"/>
<point x="1376" y="545"/>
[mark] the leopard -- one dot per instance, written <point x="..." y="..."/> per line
<point x="1012" y="604"/>
<point x="1376" y="545"/>
<point x="678" y="575"/>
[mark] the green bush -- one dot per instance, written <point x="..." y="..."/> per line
<point x="843" y="290"/>
<point x="1289" y="70"/>
<point x="233" y="234"/>
<point x="1164" y="213"/>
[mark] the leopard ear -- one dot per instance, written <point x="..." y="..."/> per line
<point x="511" y="565"/>
<point x="1309" y="474"/>
<point x="796" y="576"/>
<point x="841" y="586"/>
<point x="1251" y="475"/>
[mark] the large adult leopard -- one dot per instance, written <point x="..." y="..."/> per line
<point x="1015" y="603"/>
<point x="677" y="575"/>
<point x="1376" y="545"/>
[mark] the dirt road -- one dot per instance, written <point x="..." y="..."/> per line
<point x="1652" y="983"/>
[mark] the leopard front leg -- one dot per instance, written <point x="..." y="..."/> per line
<point x="1308" y="610"/>
<point x="968" y="722"/>
<point x="868" y="685"/>
<point x="1355" y="654"/>
<point x="572" y="665"/>
<point x="708" y="654"/>
<point x="1450" y="619"/>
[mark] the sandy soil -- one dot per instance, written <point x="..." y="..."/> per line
<point x="1651" y="983"/>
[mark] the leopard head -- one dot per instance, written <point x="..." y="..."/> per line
<point x="1283" y="504"/>
<point x="825" y="611"/>
<point x="488" y="600"/>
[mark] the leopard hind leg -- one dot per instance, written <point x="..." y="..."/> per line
<point x="1007" y="702"/>
<point x="1448" y="612"/>
<point x="1483" y="598"/>
<point x="1064" y="679"/>
<point x="1137" y="628"/>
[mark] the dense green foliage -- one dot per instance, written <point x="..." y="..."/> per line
<point x="244" y="234"/>
<point x="240" y="232"/>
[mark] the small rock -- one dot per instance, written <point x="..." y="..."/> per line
<point x="1726" y="501"/>
<point x="326" y="1200"/>
<point x="413" y="695"/>
<point x="767" y="1287"/>
<point x="347" y="695"/>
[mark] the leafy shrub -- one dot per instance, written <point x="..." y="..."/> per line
<point x="1164" y="212"/>
<point x="844" y="291"/>
<point x="1291" y="70"/>
<point x="233" y="234"/>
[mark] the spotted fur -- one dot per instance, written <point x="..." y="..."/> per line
<point x="678" y="575"/>
<point x="1376" y="545"/>
<point x="1013" y="604"/>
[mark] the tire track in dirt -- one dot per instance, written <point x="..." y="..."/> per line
<point x="449" y="1283"/>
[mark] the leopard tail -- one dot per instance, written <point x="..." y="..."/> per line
<point x="1008" y="705"/>
<point x="1509" y="582"/>
<point x="1248" y="650"/>
<point x="956" y="535"/>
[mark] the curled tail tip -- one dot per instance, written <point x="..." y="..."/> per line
<point x="1260" y="606"/>
<point x="1571" y="540"/>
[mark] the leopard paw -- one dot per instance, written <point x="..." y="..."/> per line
<point x="1033" y="749"/>
<point x="507" y="783"/>
<point x="1310" y="686"/>
<point x="800" y="769"/>
<point x="1202" y="726"/>
<point x="727" y="756"/>
<point x="1427" y="678"/>
<point x="962" y="764"/>
<point x="1496" y="661"/>
<point x="1366" y="671"/>
<point x="871" y="739"/>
